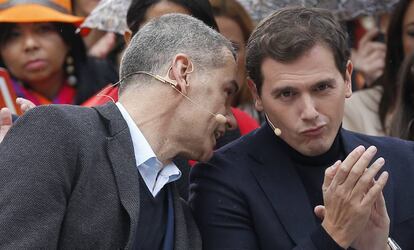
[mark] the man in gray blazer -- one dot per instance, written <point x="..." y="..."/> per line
<point x="102" y="178"/>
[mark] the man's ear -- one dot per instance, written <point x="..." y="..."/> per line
<point x="348" y="79"/>
<point x="127" y="37"/>
<point x="253" y="89"/>
<point x="180" y="69"/>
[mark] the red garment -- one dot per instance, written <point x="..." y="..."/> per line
<point x="109" y="93"/>
<point x="245" y="122"/>
<point x="65" y="95"/>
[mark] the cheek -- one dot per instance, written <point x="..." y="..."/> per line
<point x="408" y="43"/>
<point x="57" y="51"/>
<point x="10" y="55"/>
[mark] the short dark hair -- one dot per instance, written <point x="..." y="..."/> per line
<point x="289" y="33"/>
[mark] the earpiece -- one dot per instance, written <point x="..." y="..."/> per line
<point x="276" y="130"/>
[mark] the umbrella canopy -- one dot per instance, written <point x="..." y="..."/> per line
<point x="109" y="15"/>
<point x="344" y="9"/>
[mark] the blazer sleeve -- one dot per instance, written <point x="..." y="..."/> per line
<point x="219" y="210"/>
<point x="36" y="169"/>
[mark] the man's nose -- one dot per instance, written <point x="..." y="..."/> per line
<point x="309" y="111"/>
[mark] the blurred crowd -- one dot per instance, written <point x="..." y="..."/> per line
<point x="51" y="63"/>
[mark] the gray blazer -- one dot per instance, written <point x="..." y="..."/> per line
<point x="68" y="180"/>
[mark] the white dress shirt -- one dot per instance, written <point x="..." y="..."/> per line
<point x="154" y="174"/>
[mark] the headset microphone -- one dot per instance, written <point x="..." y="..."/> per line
<point x="219" y="117"/>
<point x="277" y="131"/>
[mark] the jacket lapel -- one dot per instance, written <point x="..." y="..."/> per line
<point x="281" y="184"/>
<point x="180" y="231"/>
<point x="186" y="232"/>
<point x="121" y="156"/>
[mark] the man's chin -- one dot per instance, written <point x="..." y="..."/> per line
<point x="315" y="150"/>
<point x="199" y="156"/>
<point x="206" y="156"/>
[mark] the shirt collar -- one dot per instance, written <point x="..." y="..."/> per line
<point x="142" y="149"/>
<point x="150" y="168"/>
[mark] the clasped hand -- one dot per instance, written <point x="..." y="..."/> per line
<point x="354" y="212"/>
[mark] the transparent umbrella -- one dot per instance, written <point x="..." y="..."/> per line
<point x="344" y="9"/>
<point x="108" y="15"/>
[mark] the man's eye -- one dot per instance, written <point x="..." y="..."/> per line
<point x="322" y="87"/>
<point x="229" y="92"/>
<point x="286" y="94"/>
<point x="236" y="46"/>
<point x="410" y="33"/>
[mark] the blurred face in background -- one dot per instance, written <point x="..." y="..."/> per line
<point x="230" y="29"/>
<point x="408" y="30"/>
<point x="84" y="7"/>
<point x="163" y="8"/>
<point x="34" y="53"/>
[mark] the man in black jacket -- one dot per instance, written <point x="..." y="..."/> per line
<point x="300" y="181"/>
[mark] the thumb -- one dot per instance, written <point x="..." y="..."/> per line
<point x="319" y="211"/>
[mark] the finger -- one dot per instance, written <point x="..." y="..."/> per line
<point x="346" y="165"/>
<point x="376" y="56"/>
<point x="5" y="117"/>
<point x="319" y="211"/>
<point x="380" y="205"/>
<point x="359" y="168"/>
<point x="365" y="182"/>
<point x="367" y="37"/>
<point x="375" y="190"/>
<point x="5" y="122"/>
<point x="329" y="175"/>
<point x="372" y="47"/>
<point x="25" y="105"/>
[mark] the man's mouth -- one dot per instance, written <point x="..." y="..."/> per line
<point x="314" y="131"/>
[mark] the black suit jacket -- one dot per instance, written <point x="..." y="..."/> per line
<point x="69" y="181"/>
<point x="249" y="196"/>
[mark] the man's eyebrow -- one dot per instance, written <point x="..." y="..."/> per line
<point x="277" y="90"/>
<point x="287" y="87"/>
<point x="324" y="81"/>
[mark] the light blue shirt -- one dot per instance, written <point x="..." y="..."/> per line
<point x="154" y="174"/>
